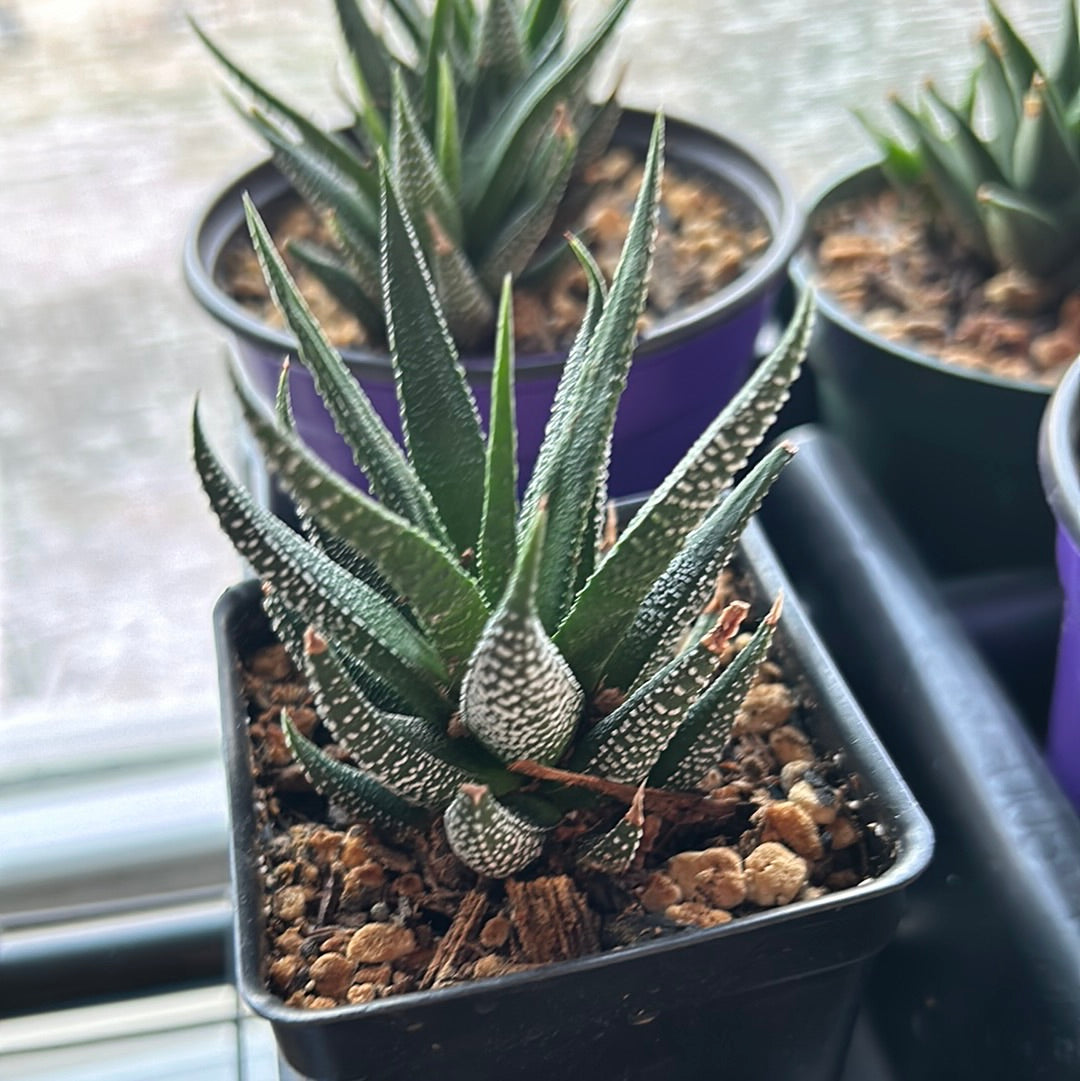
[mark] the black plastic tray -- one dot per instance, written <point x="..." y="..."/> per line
<point x="983" y="979"/>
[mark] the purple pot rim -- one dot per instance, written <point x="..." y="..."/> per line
<point x="748" y="170"/>
<point x="1059" y="454"/>
<point x="802" y="272"/>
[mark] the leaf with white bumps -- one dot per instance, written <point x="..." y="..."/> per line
<point x="614" y="851"/>
<point x="488" y="837"/>
<point x="697" y="745"/>
<point x="519" y="697"/>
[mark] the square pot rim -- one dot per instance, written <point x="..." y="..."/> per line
<point x="907" y="825"/>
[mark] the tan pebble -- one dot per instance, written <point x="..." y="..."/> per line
<point x="812" y="893"/>
<point x="607" y="224"/>
<point x="331" y="973"/>
<point x="305" y="719"/>
<point x="336" y="943"/>
<point x="325" y="844"/>
<point x="490" y="965"/>
<point x="290" y="903"/>
<point x="320" y="1002"/>
<point x="380" y="942"/>
<point x="289" y="941"/>
<point x="788" y="744"/>
<point x="766" y="706"/>
<point x="692" y="914"/>
<point x="379" y="975"/>
<point x="271" y="663"/>
<point x="283" y="973"/>
<point x="309" y="874"/>
<point x="818" y="801"/>
<point x="370" y="874"/>
<point x="847" y="247"/>
<point x="1014" y="291"/>
<point x="297" y="999"/>
<point x="360" y="993"/>
<point x="495" y="932"/>
<point x="714" y="876"/>
<point x="788" y="822"/>
<point x="354" y="852"/>
<point x="1054" y="349"/>
<point x="610" y="167"/>
<point x="774" y="875"/>
<point x="842" y="880"/>
<point x="659" y="893"/>
<point x="793" y="772"/>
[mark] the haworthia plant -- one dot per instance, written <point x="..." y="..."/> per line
<point x="1002" y="163"/>
<point x="484" y="122"/>
<point x="447" y="632"/>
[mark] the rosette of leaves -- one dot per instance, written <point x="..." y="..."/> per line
<point x="449" y="633"/>
<point x="483" y="121"/>
<point x="1012" y="195"/>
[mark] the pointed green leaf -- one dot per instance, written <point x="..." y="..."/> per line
<point x="542" y="17"/>
<point x="447" y="132"/>
<point x="979" y="163"/>
<point x="626" y="744"/>
<point x="517" y="241"/>
<point x="607" y="604"/>
<point x="373" y="447"/>
<point x="420" y="183"/>
<point x="440" y="41"/>
<point x="697" y="745"/>
<point x="438" y="413"/>
<point x="500" y="54"/>
<point x="901" y="165"/>
<point x="519" y="698"/>
<point x="1026" y="234"/>
<point x="497" y="548"/>
<point x="314" y="586"/>
<point x="614" y="851"/>
<point x="414" y="19"/>
<point x="443" y="597"/>
<point x="1045" y="164"/>
<point x="598" y="128"/>
<point x="566" y="393"/>
<point x="336" y="154"/>
<point x="368" y="51"/>
<point x="396" y="751"/>
<point x="354" y="790"/>
<point x="1019" y="62"/>
<point x="488" y="837"/>
<point x="1003" y="103"/>
<point x="339" y="280"/>
<point x="468" y="306"/>
<point x="493" y="167"/>
<point x="1066" y="66"/>
<point x="584" y="444"/>
<point x="688" y="580"/>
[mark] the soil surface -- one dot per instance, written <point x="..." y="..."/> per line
<point x="881" y="260"/>
<point x="355" y="913"/>
<point x="706" y="238"/>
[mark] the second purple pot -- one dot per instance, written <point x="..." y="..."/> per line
<point x="1059" y="464"/>
<point x="685" y="370"/>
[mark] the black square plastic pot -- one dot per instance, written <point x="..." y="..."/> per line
<point x="772" y="994"/>
<point x="951" y="449"/>
<point x="983" y="977"/>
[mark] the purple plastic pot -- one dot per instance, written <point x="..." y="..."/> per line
<point x="1059" y="463"/>
<point x="685" y="370"/>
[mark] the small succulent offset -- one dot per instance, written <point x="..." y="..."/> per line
<point x="456" y="643"/>
<point x="1012" y="198"/>
<point x="481" y="135"/>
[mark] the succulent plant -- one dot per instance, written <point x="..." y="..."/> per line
<point x="457" y="644"/>
<point x="481" y="134"/>
<point x="1012" y="196"/>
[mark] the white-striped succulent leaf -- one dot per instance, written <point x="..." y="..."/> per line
<point x="356" y="791"/>
<point x="613" y="852"/>
<point x="681" y="591"/>
<point x="519" y="697"/>
<point x="604" y="608"/>
<point x="492" y="839"/>
<point x="398" y="752"/>
<point x="626" y="744"/>
<point x="697" y="745"/>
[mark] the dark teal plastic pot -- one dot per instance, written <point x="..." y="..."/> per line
<point x="952" y="450"/>
<point x="685" y="370"/>
<point x="1059" y="460"/>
